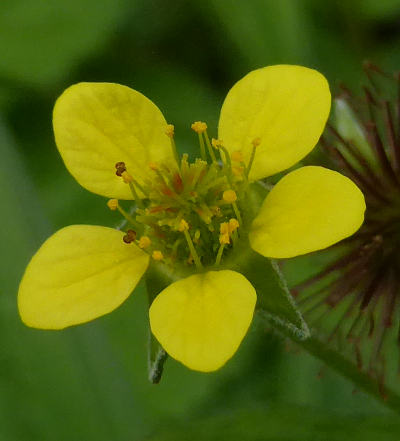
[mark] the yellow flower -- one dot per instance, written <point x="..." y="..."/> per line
<point x="117" y="143"/>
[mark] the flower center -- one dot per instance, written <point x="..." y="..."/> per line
<point x="191" y="212"/>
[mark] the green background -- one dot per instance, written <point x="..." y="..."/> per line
<point x="90" y="382"/>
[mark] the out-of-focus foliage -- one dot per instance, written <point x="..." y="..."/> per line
<point x="41" y="41"/>
<point x="91" y="381"/>
<point x="282" y="424"/>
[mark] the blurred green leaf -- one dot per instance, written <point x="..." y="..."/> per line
<point x="42" y="40"/>
<point x="53" y="384"/>
<point x="378" y="10"/>
<point x="264" y="31"/>
<point x="284" y="424"/>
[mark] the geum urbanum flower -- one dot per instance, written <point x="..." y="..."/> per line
<point x="194" y="224"/>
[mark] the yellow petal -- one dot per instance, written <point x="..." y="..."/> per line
<point x="79" y="274"/>
<point x="97" y="125"/>
<point x="201" y="320"/>
<point x="286" y="107"/>
<point x="309" y="209"/>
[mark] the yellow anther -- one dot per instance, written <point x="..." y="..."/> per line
<point x="216" y="143"/>
<point x="126" y="177"/>
<point x="144" y="242"/>
<point x="196" y="236"/>
<point x="233" y="225"/>
<point x="256" y="142"/>
<point x="224" y="228"/>
<point x="170" y="130"/>
<point x="157" y="255"/>
<point x="237" y="156"/>
<point x="229" y="196"/>
<point x="199" y="126"/>
<point x="112" y="204"/>
<point x="153" y="166"/>
<point x="224" y="239"/>
<point x="237" y="171"/>
<point x="183" y="225"/>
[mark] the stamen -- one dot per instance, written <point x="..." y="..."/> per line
<point x="217" y="144"/>
<point x="238" y="171"/>
<point x="196" y="237"/>
<point x="233" y="225"/>
<point x="120" y="166"/>
<point x="202" y="147"/>
<point x="144" y="242"/>
<point x="227" y="157"/>
<point x="210" y="148"/>
<point x="157" y="255"/>
<point x="184" y="227"/>
<point x="225" y="229"/>
<point x="130" y="236"/>
<point x="226" y="160"/>
<point x="229" y="196"/>
<point x="128" y="179"/>
<point x="199" y="167"/>
<point x="200" y="127"/>
<point x="219" y="254"/>
<point x="170" y="131"/>
<point x="256" y="142"/>
<point x="237" y="156"/>
<point x="224" y="233"/>
<point x="112" y="204"/>
<point x="168" y="189"/>
<point x="237" y="212"/>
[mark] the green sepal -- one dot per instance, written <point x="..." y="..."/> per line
<point x="274" y="300"/>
